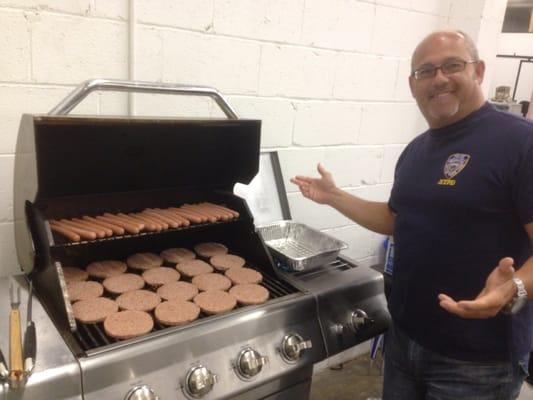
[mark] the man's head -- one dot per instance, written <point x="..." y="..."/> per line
<point x="446" y="77"/>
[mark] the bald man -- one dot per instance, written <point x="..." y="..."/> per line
<point x="461" y="212"/>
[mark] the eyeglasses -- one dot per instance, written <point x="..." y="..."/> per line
<point x="449" y="67"/>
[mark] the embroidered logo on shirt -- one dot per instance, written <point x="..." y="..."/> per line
<point x="454" y="164"/>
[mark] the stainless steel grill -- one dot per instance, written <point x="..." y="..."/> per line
<point x="67" y="167"/>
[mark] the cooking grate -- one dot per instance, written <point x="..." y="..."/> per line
<point x="92" y="336"/>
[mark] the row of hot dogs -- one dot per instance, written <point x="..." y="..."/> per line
<point x="150" y="220"/>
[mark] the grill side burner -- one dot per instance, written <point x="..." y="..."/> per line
<point x="350" y="299"/>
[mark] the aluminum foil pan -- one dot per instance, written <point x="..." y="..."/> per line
<point x="299" y="246"/>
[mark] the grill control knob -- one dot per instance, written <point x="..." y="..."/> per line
<point x="199" y="381"/>
<point x="293" y="345"/>
<point x="141" y="392"/>
<point x="250" y="363"/>
<point x="356" y="321"/>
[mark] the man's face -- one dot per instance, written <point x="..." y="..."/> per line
<point x="446" y="97"/>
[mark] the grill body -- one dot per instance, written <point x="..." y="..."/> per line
<point x="68" y="167"/>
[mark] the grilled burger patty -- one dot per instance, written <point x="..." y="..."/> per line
<point x="123" y="283"/>
<point x="73" y="274"/>
<point x="106" y="269"/>
<point x="192" y="268"/>
<point x="84" y="290"/>
<point x="249" y="293"/>
<point x="215" y="301"/>
<point x="176" y="312"/>
<point x="159" y="276"/>
<point x="177" y="291"/>
<point x="139" y="300"/>
<point x="128" y="324"/>
<point x="92" y="311"/>
<point x="210" y="249"/>
<point x="144" y="261"/>
<point x="177" y="255"/>
<point x="211" y="281"/>
<point x="224" y="262"/>
<point x="241" y="276"/>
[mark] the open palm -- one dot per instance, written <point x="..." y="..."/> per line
<point x="317" y="189"/>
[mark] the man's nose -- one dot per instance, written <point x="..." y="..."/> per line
<point x="440" y="76"/>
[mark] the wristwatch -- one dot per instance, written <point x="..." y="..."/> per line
<point x="519" y="300"/>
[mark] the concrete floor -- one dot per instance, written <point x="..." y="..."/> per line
<point x="357" y="380"/>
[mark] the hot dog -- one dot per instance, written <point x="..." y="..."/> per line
<point x="70" y="235"/>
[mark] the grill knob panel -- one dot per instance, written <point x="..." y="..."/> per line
<point x="292" y="347"/>
<point x="141" y="392"/>
<point x="250" y="363"/>
<point x="199" y="381"/>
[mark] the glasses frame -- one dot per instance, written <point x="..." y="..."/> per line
<point x="415" y="73"/>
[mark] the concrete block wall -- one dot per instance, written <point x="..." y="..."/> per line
<point x="327" y="77"/>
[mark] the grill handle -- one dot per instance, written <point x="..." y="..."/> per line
<point x="114" y="85"/>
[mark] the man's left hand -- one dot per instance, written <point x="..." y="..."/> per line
<point x="498" y="291"/>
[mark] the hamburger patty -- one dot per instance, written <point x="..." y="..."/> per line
<point x="177" y="255"/>
<point x="176" y="312"/>
<point x="83" y="290"/>
<point x="160" y="275"/>
<point x="210" y="249"/>
<point x="227" y="261"/>
<point x="106" y="269"/>
<point x="139" y="300"/>
<point x="240" y="276"/>
<point x="212" y="281"/>
<point x="73" y="274"/>
<point x="177" y="291"/>
<point x="92" y="311"/>
<point x="249" y="293"/>
<point x="123" y="283"/>
<point x="215" y="301"/>
<point x="194" y="267"/>
<point x="144" y="261"/>
<point x="128" y="324"/>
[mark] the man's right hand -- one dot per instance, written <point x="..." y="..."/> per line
<point x="319" y="190"/>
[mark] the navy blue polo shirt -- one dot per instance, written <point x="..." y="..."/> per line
<point x="462" y="195"/>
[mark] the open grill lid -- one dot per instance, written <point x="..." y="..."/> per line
<point x="80" y="156"/>
<point x="60" y="156"/>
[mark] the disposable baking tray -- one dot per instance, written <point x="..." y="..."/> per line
<point x="299" y="246"/>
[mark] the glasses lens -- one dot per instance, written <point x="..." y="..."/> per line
<point x="425" y="72"/>
<point x="453" y="66"/>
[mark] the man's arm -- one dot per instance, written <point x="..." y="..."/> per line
<point x="376" y="216"/>
<point x="373" y="215"/>
<point x="498" y="291"/>
<point x="526" y="272"/>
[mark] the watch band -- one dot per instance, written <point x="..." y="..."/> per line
<point x="520" y="288"/>
<point x="519" y="299"/>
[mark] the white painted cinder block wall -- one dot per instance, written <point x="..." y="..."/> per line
<point x="327" y="77"/>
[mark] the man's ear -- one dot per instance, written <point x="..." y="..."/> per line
<point x="480" y="71"/>
<point x="411" y="85"/>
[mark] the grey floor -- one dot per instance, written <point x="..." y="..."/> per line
<point x="358" y="380"/>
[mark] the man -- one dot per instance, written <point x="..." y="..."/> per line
<point x="461" y="212"/>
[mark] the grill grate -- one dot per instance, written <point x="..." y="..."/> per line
<point x="92" y="336"/>
<point x="59" y="241"/>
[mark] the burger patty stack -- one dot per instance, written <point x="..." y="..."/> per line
<point x="173" y="288"/>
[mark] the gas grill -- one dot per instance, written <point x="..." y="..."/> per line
<point x="73" y="166"/>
